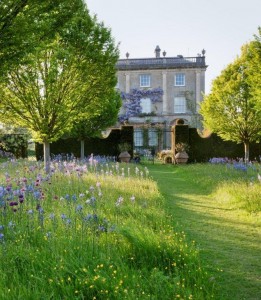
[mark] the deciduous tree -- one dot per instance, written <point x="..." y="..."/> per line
<point x="231" y="109"/>
<point x="62" y="81"/>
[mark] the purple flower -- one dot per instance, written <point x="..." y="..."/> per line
<point x="63" y="216"/>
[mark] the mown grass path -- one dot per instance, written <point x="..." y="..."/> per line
<point x="228" y="239"/>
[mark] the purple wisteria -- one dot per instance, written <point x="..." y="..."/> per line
<point x="131" y="101"/>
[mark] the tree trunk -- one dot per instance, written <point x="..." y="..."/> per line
<point x="82" y="149"/>
<point x="246" y="146"/>
<point x="46" y="146"/>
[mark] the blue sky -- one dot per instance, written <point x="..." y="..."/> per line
<point x="183" y="27"/>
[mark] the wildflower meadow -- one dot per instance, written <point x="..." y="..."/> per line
<point x="91" y="231"/>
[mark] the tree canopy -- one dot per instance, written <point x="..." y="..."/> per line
<point x="69" y="77"/>
<point x="232" y="109"/>
<point x="27" y="24"/>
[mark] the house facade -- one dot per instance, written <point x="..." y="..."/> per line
<point x="158" y="91"/>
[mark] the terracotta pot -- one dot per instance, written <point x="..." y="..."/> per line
<point x="181" y="157"/>
<point x="125" y="157"/>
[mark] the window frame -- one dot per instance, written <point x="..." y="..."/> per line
<point x="138" y="137"/>
<point x="149" y="103"/>
<point x="145" y="82"/>
<point x="152" y="137"/>
<point x="178" y="81"/>
<point x="182" y="108"/>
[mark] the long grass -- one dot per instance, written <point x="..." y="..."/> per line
<point x="218" y="206"/>
<point x="91" y="232"/>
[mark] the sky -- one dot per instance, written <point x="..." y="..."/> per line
<point x="183" y="27"/>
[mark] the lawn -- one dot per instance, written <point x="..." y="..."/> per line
<point x="218" y="208"/>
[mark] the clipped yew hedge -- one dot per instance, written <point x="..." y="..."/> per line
<point x="96" y="146"/>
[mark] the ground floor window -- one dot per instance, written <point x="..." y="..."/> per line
<point x="138" y="137"/>
<point x="152" y="137"/>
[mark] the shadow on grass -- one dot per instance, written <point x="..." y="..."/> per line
<point x="226" y="240"/>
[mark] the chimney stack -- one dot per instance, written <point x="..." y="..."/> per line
<point x="157" y="52"/>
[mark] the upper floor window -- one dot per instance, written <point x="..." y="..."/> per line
<point x="179" y="105"/>
<point x="145" y="80"/>
<point x="180" y="79"/>
<point x="145" y="104"/>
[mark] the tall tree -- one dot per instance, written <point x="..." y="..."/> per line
<point x="231" y="109"/>
<point x="254" y="67"/>
<point x="101" y="115"/>
<point x="55" y="85"/>
<point x="25" y="24"/>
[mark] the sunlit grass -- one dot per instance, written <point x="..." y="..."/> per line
<point x="218" y="206"/>
<point x="91" y="232"/>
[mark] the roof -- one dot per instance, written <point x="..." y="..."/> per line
<point x="161" y="63"/>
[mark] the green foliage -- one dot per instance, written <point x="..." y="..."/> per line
<point x="67" y="79"/>
<point x="124" y="147"/>
<point x="15" y="143"/>
<point x="26" y="25"/>
<point x="231" y="109"/>
<point x="14" y="140"/>
<point x="254" y="67"/>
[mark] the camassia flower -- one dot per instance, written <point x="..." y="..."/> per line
<point x="119" y="201"/>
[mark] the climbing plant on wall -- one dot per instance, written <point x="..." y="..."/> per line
<point x="131" y="101"/>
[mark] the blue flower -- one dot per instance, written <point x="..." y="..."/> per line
<point x="68" y="221"/>
<point x="1" y="237"/>
<point x="63" y="216"/>
<point x="2" y="227"/>
<point x="79" y="207"/>
<point x="37" y="195"/>
<point x="88" y="217"/>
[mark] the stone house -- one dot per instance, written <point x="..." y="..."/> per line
<point x="158" y="91"/>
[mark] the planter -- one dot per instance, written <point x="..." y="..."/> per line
<point x="181" y="157"/>
<point x="124" y="157"/>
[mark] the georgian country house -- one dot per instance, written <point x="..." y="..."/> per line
<point x="158" y="91"/>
